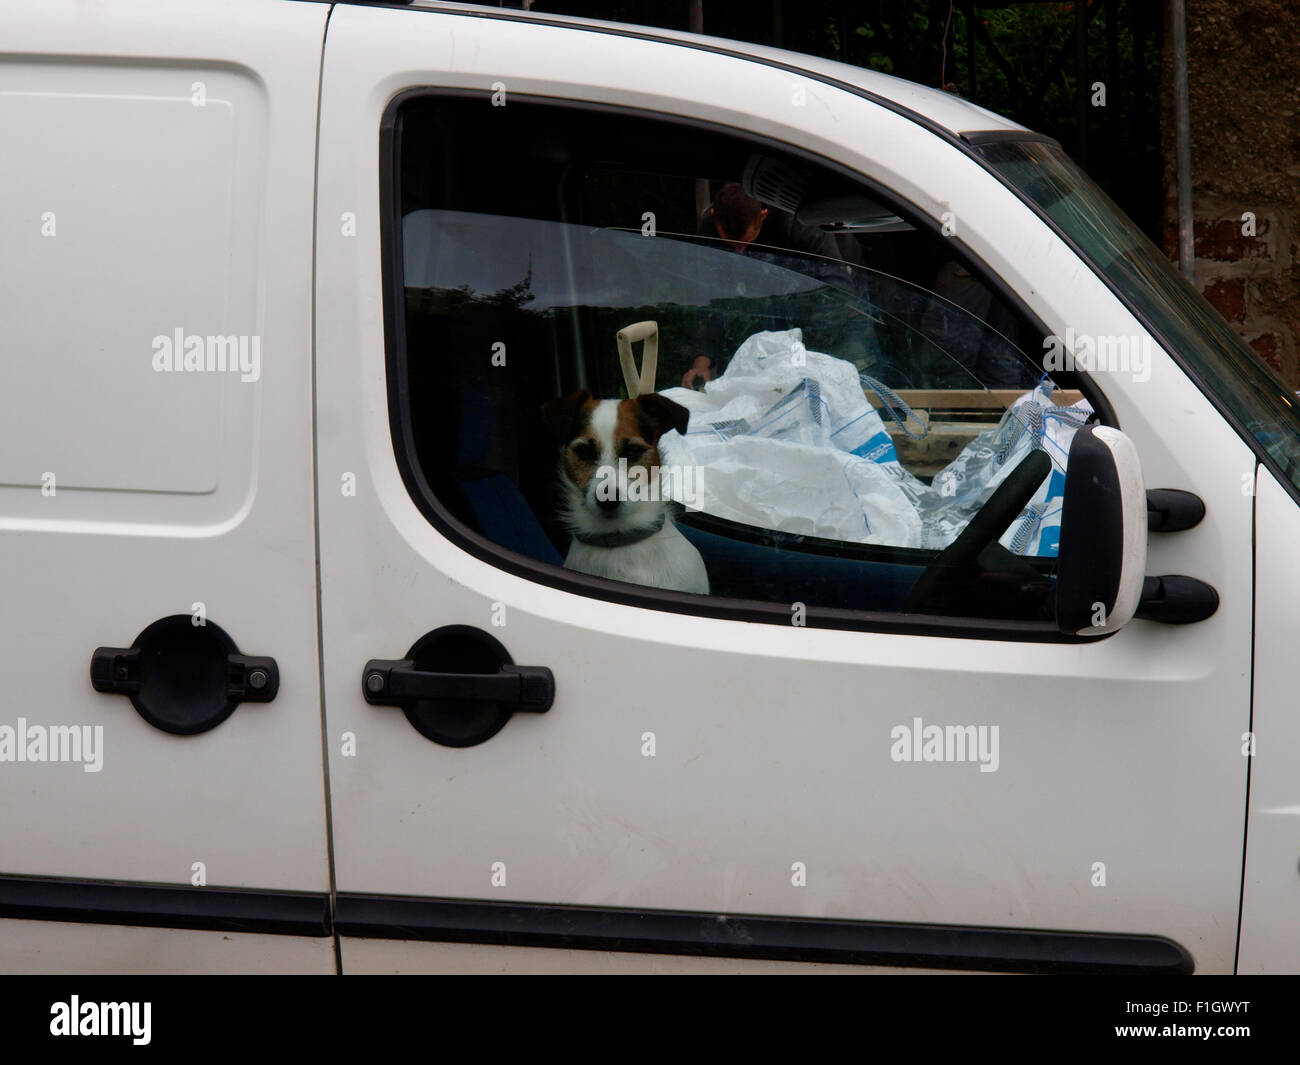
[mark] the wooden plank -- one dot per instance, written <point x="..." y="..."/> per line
<point x="970" y="398"/>
<point x="943" y="443"/>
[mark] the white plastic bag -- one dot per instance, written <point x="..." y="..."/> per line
<point x="786" y="440"/>
<point x="959" y="490"/>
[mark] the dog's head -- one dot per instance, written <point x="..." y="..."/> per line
<point x="610" y="458"/>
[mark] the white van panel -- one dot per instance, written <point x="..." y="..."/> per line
<point x="173" y="489"/>
<point x="1270" y="922"/>
<point x="33" y="948"/>
<point x="397" y="956"/>
<point x="944" y="109"/>
<point x="777" y="736"/>
<point x="131" y="212"/>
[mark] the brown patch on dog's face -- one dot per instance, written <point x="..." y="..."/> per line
<point x="564" y="416"/>
<point x="658" y="414"/>
<point x="598" y="433"/>
<point x="582" y="458"/>
<point x="569" y="420"/>
<point x="635" y="436"/>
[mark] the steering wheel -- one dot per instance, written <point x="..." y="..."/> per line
<point x="959" y="559"/>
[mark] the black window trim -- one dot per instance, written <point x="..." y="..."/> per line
<point x="720" y="607"/>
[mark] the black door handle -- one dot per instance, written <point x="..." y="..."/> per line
<point x="184" y="678"/>
<point x="457" y="685"/>
<point x="391" y="682"/>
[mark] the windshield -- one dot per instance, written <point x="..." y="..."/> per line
<point x="1179" y="316"/>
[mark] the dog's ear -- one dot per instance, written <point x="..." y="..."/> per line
<point x="661" y="414"/>
<point x="560" y="415"/>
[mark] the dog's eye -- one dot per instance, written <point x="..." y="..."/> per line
<point x="584" y="450"/>
<point x="631" y="451"/>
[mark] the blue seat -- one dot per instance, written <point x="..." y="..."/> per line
<point x="505" y="518"/>
<point x="743" y="570"/>
<point x="499" y="507"/>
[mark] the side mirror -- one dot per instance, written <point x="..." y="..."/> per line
<point x="1101" y="564"/>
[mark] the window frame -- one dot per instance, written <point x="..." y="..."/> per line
<point x="553" y="576"/>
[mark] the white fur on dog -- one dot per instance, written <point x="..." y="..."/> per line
<point x="664" y="560"/>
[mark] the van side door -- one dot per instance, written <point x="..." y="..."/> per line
<point x="160" y="741"/>
<point x="747" y="775"/>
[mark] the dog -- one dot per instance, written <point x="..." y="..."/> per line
<point x="609" y="449"/>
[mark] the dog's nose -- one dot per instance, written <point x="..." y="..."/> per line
<point x="607" y="506"/>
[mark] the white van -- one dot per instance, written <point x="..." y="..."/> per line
<point x="298" y="680"/>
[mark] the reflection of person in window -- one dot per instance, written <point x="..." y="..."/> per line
<point x="739" y="221"/>
<point x="974" y="339"/>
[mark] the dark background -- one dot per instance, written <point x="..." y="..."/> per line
<point x="1023" y="58"/>
<point x="1025" y="64"/>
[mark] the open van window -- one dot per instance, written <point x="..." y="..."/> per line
<point x="1254" y="398"/>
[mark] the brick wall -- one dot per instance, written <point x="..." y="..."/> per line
<point x="1244" y="74"/>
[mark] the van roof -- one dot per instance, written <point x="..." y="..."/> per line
<point x="933" y="107"/>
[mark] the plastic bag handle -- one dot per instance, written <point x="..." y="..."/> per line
<point x="892" y="403"/>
